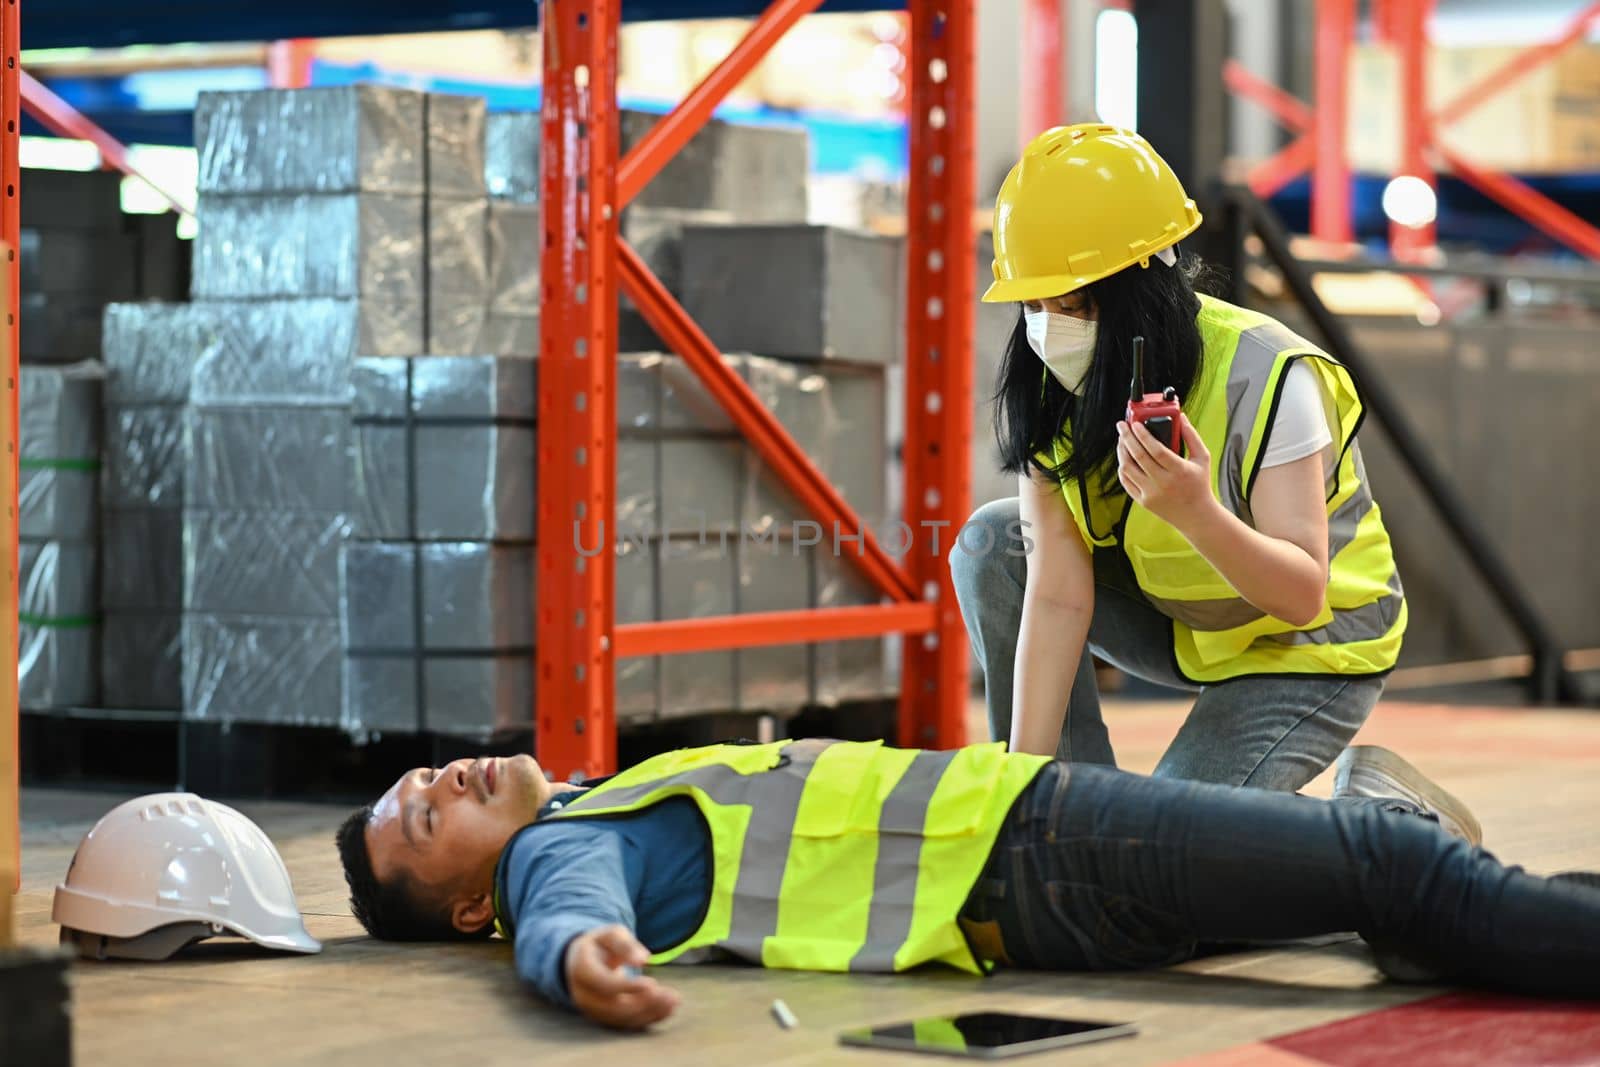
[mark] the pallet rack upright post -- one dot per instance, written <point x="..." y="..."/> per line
<point x="584" y="261"/>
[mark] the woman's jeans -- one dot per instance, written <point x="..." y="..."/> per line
<point x="1271" y="733"/>
<point x="1097" y="869"/>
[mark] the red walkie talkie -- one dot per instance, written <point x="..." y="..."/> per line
<point x="1158" y="411"/>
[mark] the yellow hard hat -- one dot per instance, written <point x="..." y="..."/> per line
<point x="1084" y="202"/>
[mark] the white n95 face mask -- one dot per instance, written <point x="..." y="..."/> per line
<point x="1064" y="342"/>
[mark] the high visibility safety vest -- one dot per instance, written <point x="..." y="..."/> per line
<point x="1216" y="634"/>
<point x="832" y="855"/>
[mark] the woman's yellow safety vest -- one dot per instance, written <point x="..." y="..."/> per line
<point x="1216" y="634"/>
<point x="832" y="855"/>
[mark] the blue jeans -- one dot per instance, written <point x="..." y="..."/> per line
<point x="1098" y="869"/>
<point x="1270" y="733"/>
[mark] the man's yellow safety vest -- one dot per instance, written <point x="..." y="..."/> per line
<point x="1216" y="634"/>
<point x="832" y="855"/>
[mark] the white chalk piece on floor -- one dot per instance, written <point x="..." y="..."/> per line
<point x="785" y="1017"/>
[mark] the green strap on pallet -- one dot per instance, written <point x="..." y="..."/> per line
<point x="33" y="463"/>
<point x="65" y="622"/>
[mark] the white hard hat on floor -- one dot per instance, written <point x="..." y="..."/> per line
<point x="164" y="870"/>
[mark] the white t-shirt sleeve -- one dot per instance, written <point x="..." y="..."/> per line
<point x="1300" y="428"/>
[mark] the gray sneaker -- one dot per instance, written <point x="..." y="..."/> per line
<point x="1371" y="771"/>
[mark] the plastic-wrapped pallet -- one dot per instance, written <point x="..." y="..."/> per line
<point x="696" y="580"/>
<point x="773" y="576"/>
<point x="58" y="531"/>
<point x="264" y="511"/>
<point x="368" y="248"/>
<point x="60" y="432"/>
<point x="822" y="292"/>
<point x="511" y="176"/>
<point x="442" y="448"/>
<point x="846" y="671"/>
<point x="437" y="636"/>
<point x="57" y="626"/>
<point x="343" y="139"/>
<point x="150" y="353"/>
<point x="457" y="226"/>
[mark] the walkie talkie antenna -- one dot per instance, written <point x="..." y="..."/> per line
<point x="1136" y="386"/>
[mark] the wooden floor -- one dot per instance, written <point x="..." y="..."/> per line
<point x="1529" y="774"/>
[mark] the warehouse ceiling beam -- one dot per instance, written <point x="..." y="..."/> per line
<point x="668" y="137"/>
<point x="63" y="120"/>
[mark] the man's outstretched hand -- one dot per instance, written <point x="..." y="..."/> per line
<point x="607" y="993"/>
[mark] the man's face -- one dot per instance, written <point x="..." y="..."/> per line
<point x="444" y="828"/>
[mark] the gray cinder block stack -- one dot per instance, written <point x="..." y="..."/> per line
<point x="511" y="174"/>
<point x="150" y="352"/>
<point x="436" y="592"/>
<point x="317" y="193"/>
<point x="57" y="527"/>
<point x="822" y="292"/>
<point x="704" y="528"/>
<point x="457" y="225"/>
<point x="726" y="173"/>
<point x="75" y="256"/>
<point x="264" y="513"/>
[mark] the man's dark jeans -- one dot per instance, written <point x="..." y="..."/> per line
<point x="1097" y="869"/>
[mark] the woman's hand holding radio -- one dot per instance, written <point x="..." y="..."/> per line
<point x="1172" y="486"/>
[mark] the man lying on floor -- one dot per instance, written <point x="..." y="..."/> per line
<point x="839" y="856"/>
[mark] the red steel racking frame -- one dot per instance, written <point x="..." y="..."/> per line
<point x="1321" y="146"/>
<point x="10" y="233"/>
<point x="584" y="189"/>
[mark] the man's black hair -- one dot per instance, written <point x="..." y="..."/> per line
<point x="396" y="910"/>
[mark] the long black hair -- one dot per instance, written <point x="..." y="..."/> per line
<point x="1030" y="407"/>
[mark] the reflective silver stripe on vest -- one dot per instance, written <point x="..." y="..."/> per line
<point x="1257" y="352"/>
<point x="1251" y="369"/>
<point x="1208" y="616"/>
<point x="894" y="880"/>
<point x="773" y="796"/>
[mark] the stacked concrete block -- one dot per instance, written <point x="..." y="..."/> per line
<point x="150" y="353"/>
<point x="264" y="513"/>
<point x="726" y="173"/>
<point x="705" y="528"/>
<point x="457" y="226"/>
<point x="57" y="526"/>
<point x="822" y="292"/>
<point x="77" y="252"/>
<point x="436" y="595"/>
<point x="317" y="193"/>
<point x="511" y="176"/>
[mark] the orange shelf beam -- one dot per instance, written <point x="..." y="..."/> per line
<point x="771" y="628"/>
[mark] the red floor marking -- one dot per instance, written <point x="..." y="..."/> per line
<point x="1457" y="1030"/>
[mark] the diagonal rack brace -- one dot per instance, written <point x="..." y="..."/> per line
<point x="770" y="440"/>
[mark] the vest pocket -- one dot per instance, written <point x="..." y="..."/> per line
<point x="1178" y="574"/>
